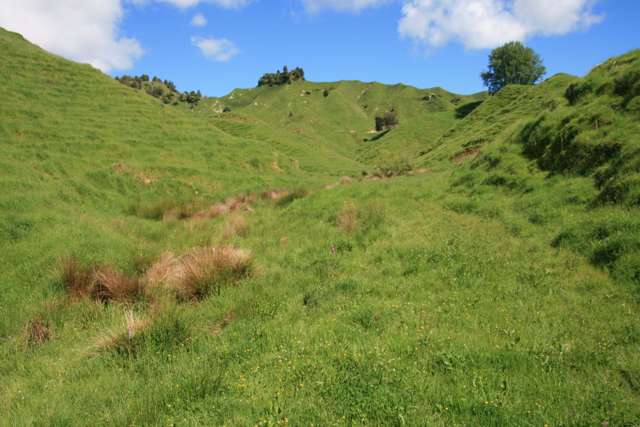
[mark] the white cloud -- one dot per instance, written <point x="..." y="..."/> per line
<point x="314" y="6"/>
<point x="479" y="24"/>
<point x="184" y="4"/>
<point x="199" y="20"/>
<point x="85" y="32"/>
<point x="221" y="50"/>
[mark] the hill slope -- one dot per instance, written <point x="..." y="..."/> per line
<point x="147" y="280"/>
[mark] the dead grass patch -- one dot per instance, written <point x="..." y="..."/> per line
<point x="469" y="153"/>
<point x="347" y="218"/>
<point x="420" y="171"/>
<point x="76" y="278"/>
<point x="103" y="284"/>
<point x="345" y="180"/>
<point x="232" y="204"/>
<point x="201" y="271"/>
<point x="110" y="285"/>
<point x="37" y="331"/>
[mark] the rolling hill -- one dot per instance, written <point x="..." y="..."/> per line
<point x="278" y="261"/>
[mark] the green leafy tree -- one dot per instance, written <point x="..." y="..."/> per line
<point x="512" y="63"/>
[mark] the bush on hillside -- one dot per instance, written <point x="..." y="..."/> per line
<point x="628" y="85"/>
<point x="164" y="90"/>
<point x="281" y="77"/>
<point x="387" y="120"/>
<point x="576" y="91"/>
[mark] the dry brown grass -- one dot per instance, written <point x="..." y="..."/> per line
<point x="236" y="226"/>
<point x="345" y="180"/>
<point x="134" y="325"/>
<point x="347" y="218"/>
<point x="109" y="285"/>
<point x="37" y="331"/>
<point x="200" y="271"/>
<point x="232" y="204"/>
<point x="77" y="278"/>
<point x="102" y="284"/>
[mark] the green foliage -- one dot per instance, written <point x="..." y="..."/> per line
<point x="165" y="90"/>
<point x="387" y="120"/>
<point x="512" y="63"/>
<point x="281" y="77"/>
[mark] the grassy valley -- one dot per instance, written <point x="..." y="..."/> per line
<point x="269" y="258"/>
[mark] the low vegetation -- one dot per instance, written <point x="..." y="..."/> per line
<point x="165" y="90"/>
<point x="281" y="77"/>
<point x="386" y="121"/>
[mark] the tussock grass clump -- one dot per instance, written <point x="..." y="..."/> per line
<point x="103" y="284"/>
<point x="346" y="180"/>
<point x="201" y="271"/>
<point x="76" y="278"/>
<point x="37" y="331"/>
<point x="110" y="285"/>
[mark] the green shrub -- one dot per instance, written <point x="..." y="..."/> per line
<point x="387" y="120"/>
<point x="575" y="91"/>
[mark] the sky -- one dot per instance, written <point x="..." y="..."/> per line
<point x="216" y="46"/>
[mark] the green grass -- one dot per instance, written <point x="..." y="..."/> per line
<point x="497" y="288"/>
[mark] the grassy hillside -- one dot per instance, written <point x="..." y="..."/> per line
<point x="342" y="116"/>
<point x="149" y="278"/>
<point x="562" y="155"/>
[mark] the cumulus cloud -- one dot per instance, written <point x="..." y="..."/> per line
<point x="86" y="32"/>
<point x="480" y="24"/>
<point x="221" y="50"/>
<point x="199" y="20"/>
<point x="184" y="4"/>
<point x="314" y="6"/>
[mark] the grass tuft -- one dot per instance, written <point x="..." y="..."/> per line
<point x="109" y="285"/>
<point x="77" y="279"/>
<point x="201" y="271"/>
<point x="37" y="331"/>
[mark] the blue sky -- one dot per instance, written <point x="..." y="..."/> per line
<point x="423" y="43"/>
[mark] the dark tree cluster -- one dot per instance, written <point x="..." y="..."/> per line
<point x="165" y="90"/>
<point x="387" y="120"/>
<point x="281" y="77"/>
